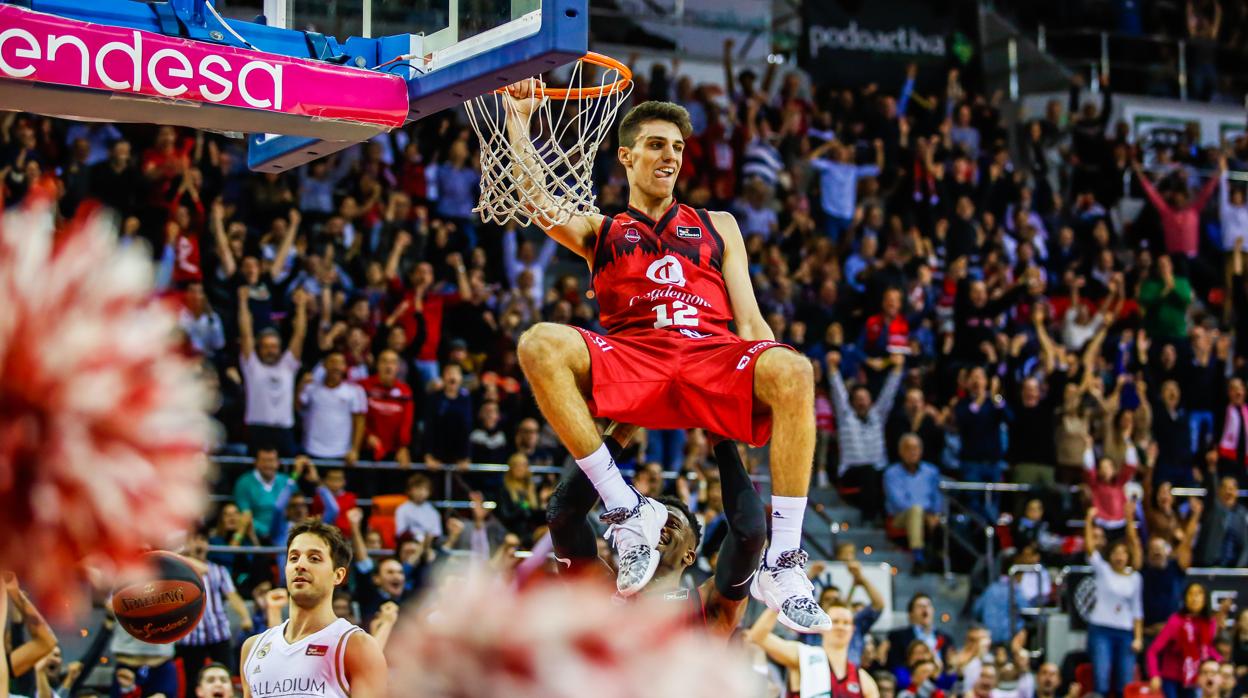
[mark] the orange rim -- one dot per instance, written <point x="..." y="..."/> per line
<point x="626" y="78"/>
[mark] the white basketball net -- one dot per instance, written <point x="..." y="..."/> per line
<point x="539" y="171"/>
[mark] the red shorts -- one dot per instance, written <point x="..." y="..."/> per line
<point x="664" y="380"/>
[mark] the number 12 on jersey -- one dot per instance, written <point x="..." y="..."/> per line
<point x="682" y="315"/>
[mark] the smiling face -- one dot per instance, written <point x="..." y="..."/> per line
<point x="654" y="159"/>
<point x="390" y="577"/>
<point x="310" y="572"/>
<point x="678" y="542"/>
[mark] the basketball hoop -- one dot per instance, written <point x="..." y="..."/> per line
<point x="545" y="179"/>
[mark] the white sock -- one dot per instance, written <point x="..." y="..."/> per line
<point x="786" y="525"/>
<point x="601" y="469"/>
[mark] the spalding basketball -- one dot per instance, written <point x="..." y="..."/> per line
<point x="166" y="605"/>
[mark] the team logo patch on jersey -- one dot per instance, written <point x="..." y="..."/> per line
<point x="689" y="232"/>
<point x="317" y="650"/>
<point x="852" y="688"/>
<point x="632" y="235"/>
<point x="264" y="651"/>
<point x="667" y="271"/>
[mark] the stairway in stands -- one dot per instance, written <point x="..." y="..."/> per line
<point x="948" y="595"/>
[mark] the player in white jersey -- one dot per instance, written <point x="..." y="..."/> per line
<point x="314" y="653"/>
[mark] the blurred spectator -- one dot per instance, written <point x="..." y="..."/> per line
<point x="1233" y="444"/>
<point x="521" y="257"/>
<point x="1031" y="432"/>
<point x="918" y="417"/>
<point x="269" y="376"/>
<point x="978" y="419"/>
<point x="200" y="322"/>
<point x="838" y="183"/>
<point x="860" y="432"/>
<point x="210" y="640"/>
<point x="376" y="582"/>
<point x="1165" y="300"/>
<point x="1186" y="641"/>
<point x="333" y="412"/>
<point x="912" y="498"/>
<point x="921" y="626"/>
<point x="335" y="482"/>
<point x="487" y="443"/>
<point x="391" y="412"/>
<point x="1105" y="481"/>
<point x="1223" y="540"/>
<point x="1116" y="623"/>
<point x="518" y="508"/>
<point x="864" y="618"/>
<point x="448" y="422"/>
<point x="1172" y="429"/>
<point x="417" y="517"/>
<point x="256" y="491"/>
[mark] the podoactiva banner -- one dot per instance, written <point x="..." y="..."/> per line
<point x="855" y="42"/>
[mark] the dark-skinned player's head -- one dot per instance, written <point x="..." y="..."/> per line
<point x="652" y="145"/>
<point x="678" y="542"/>
<point x="317" y="559"/>
<point x="214" y="682"/>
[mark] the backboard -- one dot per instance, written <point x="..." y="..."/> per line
<point x="452" y="50"/>
<point x="338" y="68"/>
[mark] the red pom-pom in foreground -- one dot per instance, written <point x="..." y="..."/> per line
<point x="102" y="424"/>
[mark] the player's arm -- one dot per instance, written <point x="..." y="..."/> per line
<point x="786" y="653"/>
<point x="745" y="312"/>
<point x="579" y="233"/>
<point x="242" y="664"/>
<point x="366" y="667"/>
<point x="867" y="683"/>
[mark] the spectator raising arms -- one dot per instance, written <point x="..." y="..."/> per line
<point x="1116" y="623"/>
<point x="860" y="427"/>
<point x="269" y="375"/>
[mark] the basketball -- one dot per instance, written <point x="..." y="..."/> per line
<point x="164" y="607"/>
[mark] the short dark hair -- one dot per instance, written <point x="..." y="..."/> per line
<point x="915" y="599"/>
<point x="418" y="480"/>
<point x="684" y="509"/>
<point x="670" y="112"/>
<point x="339" y="549"/>
<point x="199" y="678"/>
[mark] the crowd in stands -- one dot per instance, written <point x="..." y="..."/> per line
<point x="973" y="313"/>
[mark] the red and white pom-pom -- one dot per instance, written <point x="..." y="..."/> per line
<point x="102" y="423"/>
<point x="483" y="639"/>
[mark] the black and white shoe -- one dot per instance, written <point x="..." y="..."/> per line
<point x="634" y="534"/>
<point x="787" y="590"/>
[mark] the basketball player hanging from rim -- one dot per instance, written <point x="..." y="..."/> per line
<point x="669" y="279"/>
<point x="314" y="652"/>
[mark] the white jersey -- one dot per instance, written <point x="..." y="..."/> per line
<point x="312" y="667"/>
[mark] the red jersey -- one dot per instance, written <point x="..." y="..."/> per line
<point x="664" y="275"/>
<point x="390" y="413"/>
<point x="887" y="336"/>
<point x="840" y="687"/>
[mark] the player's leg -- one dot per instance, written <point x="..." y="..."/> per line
<point x="567" y="513"/>
<point x="742" y="548"/>
<point x="556" y="362"/>
<point x="784" y="381"/>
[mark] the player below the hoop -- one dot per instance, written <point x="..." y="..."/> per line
<point x="669" y="280"/>
<point x="314" y="653"/>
